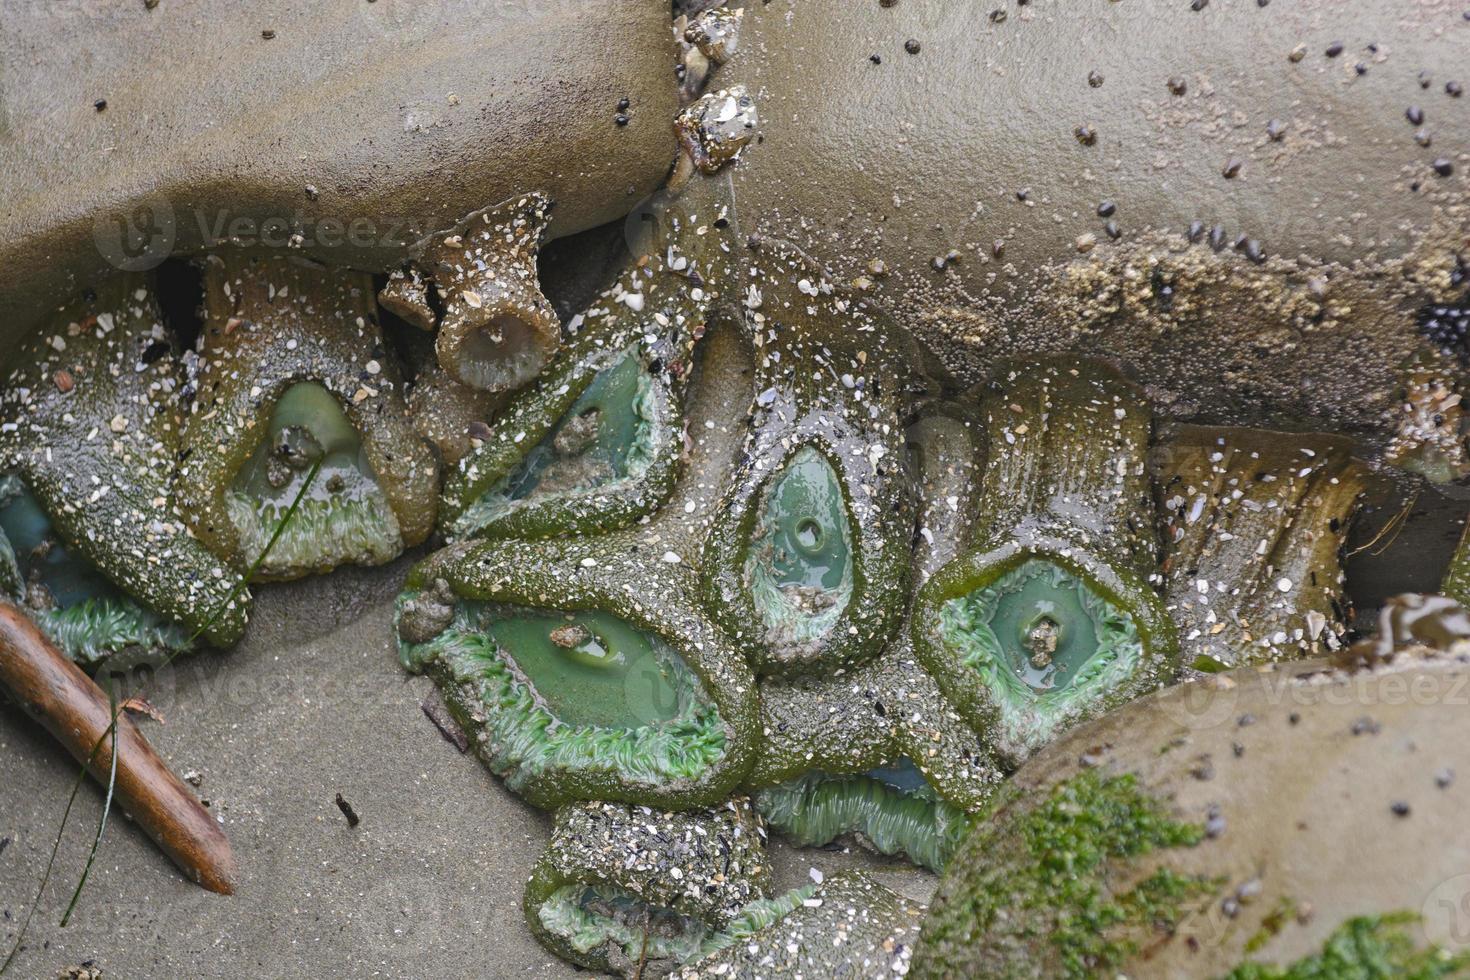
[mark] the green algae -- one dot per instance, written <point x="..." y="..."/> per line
<point x="1366" y="948"/>
<point x="1050" y="888"/>
<point x="892" y="808"/>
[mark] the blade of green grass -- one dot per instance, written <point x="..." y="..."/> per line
<point x="116" y="711"/>
<point x="106" y="803"/>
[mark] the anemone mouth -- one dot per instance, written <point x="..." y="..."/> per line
<point x="608" y="437"/>
<point x="1042" y="642"/>
<point x="343" y="515"/>
<point x="799" y="563"/>
<point x="590" y="918"/>
<point x="892" y="809"/>
<point x="501" y="354"/>
<point x="552" y="691"/>
<point x="81" y="610"/>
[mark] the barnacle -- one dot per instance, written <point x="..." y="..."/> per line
<point x="806" y="563"/>
<point x="596" y="442"/>
<point x="629" y="890"/>
<point x="583" y="673"/>
<point x="1051" y="615"/>
<point x="496" y="330"/>
<point x="1254" y="525"/>
<point x="849" y="925"/>
<point x="88" y="437"/>
<point x="293" y="378"/>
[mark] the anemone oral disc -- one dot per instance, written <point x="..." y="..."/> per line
<point x="798" y="566"/>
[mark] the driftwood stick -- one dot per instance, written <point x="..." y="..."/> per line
<point x="71" y="706"/>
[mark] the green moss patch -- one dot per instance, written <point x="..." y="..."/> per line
<point x="1048" y="889"/>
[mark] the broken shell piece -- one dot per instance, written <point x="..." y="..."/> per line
<point x="496" y="329"/>
<point x="635" y="892"/>
<point x="716" y="33"/>
<point x="712" y="131"/>
<point x="293" y="380"/>
<point x="1254" y="524"/>
<point x="89" y="462"/>
<point x="1051" y="618"/>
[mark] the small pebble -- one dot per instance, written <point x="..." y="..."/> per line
<point x="1334" y="49"/>
<point x="911" y="45"/>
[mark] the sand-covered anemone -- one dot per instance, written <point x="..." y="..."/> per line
<point x="1051" y="615"/>
<point x="293" y="383"/>
<point x="876" y="751"/>
<point x="581" y="671"/>
<point x="636" y="892"/>
<point x="477" y="286"/>
<point x="92" y="539"/>
<point x="1254" y="525"/>
<point x="806" y="564"/>
<point x="597" y="441"/>
<point x="847" y="926"/>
